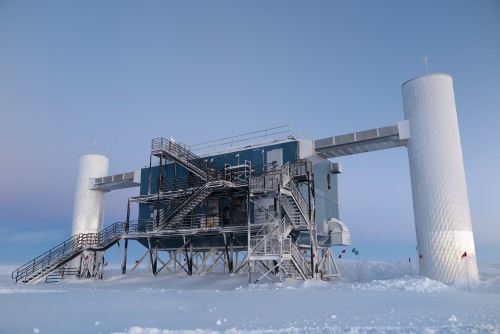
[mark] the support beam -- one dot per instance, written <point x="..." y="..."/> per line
<point x="124" y="263"/>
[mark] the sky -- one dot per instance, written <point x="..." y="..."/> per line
<point x="106" y="77"/>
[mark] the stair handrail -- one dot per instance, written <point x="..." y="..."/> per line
<point x="180" y="183"/>
<point x="66" y="249"/>
<point x="299" y="200"/>
<point x="46" y="259"/>
<point x="269" y="181"/>
<point x="182" y="154"/>
<point x="300" y="260"/>
<point x="300" y="167"/>
<point x="180" y="207"/>
<point x="286" y="223"/>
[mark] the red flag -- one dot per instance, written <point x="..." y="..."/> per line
<point x="136" y="261"/>
<point x="343" y="251"/>
<point x="463" y="255"/>
<point x="106" y="264"/>
<point x="420" y="257"/>
<point x="340" y="256"/>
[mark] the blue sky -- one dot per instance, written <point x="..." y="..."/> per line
<point x="119" y="73"/>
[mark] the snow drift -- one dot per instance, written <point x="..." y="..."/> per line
<point x="381" y="297"/>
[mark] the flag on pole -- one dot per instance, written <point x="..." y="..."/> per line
<point x="354" y="250"/>
<point x="420" y="257"/>
<point x="106" y="264"/>
<point x="343" y="251"/>
<point x="463" y="255"/>
<point x="340" y="256"/>
<point x="357" y="252"/>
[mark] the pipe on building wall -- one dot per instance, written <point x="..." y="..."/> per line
<point x="440" y="201"/>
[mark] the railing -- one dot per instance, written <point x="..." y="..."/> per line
<point x="265" y="245"/>
<point x="198" y="195"/>
<point x="287" y="245"/>
<point x="181" y="183"/>
<point x="285" y="177"/>
<point x="207" y="222"/>
<point x="299" y="199"/>
<point x="303" y="264"/>
<point x="300" y="168"/>
<point x="68" y="249"/>
<point x="286" y="225"/>
<point x="182" y="154"/>
<point x="60" y="273"/>
<point x="279" y="132"/>
<point x="267" y="182"/>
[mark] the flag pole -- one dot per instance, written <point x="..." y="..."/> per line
<point x="359" y="267"/>
<point x="467" y="268"/>
<point x="417" y="262"/>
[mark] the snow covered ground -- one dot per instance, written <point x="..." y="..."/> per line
<point x="389" y="299"/>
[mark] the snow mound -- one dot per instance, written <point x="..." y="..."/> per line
<point x="371" y="297"/>
<point x="407" y="283"/>
<point x="324" y="329"/>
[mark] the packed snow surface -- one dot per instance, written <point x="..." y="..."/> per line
<point x="384" y="297"/>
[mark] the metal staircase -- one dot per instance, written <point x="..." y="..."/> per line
<point x="181" y="154"/>
<point x="181" y="210"/>
<point x="273" y="241"/>
<point x="61" y="254"/>
<point x="191" y="192"/>
<point x="292" y="201"/>
<point x="60" y="273"/>
<point x="295" y="215"/>
<point x="295" y="264"/>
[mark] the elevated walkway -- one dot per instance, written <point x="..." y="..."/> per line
<point x="115" y="182"/>
<point x="363" y="141"/>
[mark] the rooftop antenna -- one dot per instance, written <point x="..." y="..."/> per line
<point x="426" y="65"/>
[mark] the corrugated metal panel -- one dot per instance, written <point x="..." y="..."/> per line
<point x="440" y="201"/>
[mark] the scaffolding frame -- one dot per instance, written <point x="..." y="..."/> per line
<point x="257" y="239"/>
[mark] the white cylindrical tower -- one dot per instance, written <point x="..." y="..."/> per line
<point x="440" y="202"/>
<point x="89" y="204"/>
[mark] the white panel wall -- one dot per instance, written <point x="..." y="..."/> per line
<point x="89" y="204"/>
<point x="440" y="202"/>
